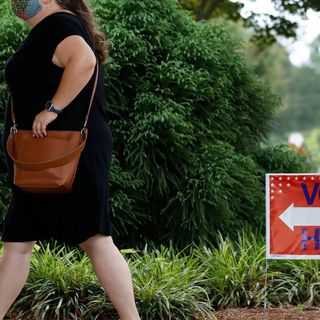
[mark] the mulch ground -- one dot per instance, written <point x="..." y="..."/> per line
<point x="269" y="314"/>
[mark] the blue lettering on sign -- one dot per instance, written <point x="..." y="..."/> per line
<point x="309" y="199"/>
<point x="315" y="238"/>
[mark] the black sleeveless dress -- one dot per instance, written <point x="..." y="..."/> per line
<point x="32" y="78"/>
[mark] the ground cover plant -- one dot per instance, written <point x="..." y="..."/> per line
<point x="169" y="283"/>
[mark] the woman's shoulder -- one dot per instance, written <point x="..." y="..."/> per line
<point x="52" y="29"/>
<point x="59" y="25"/>
<point x="61" y="18"/>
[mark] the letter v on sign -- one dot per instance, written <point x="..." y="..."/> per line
<point x="309" y="199"/>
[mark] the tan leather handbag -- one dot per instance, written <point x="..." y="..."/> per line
<point x="47" y="165"/>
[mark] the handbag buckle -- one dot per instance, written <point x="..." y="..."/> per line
<point x="83" y="131"/>
<point x="14" y="129"/>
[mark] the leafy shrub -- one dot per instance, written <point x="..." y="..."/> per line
<point x="281" y="158"/>
<point x="169" y="283"/>
<point x="236" y="275"/>
<point x="187" y="116"/>
<point x="236" y="271"/>
<point x="62" y="285"/>
<point x="297" y="283"/>
<point x="58" y="285"/>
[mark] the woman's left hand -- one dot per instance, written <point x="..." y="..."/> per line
<point x="40" y="123"/>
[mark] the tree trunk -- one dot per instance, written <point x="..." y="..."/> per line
<point x="205" y="11"/>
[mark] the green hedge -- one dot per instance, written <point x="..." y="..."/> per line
<point x="188" y="117"/>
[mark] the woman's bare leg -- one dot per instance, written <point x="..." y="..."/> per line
<point x="113" y="273"/>
<point x="14" y="271"/>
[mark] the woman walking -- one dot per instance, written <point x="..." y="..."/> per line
<point x="51" y="77"/>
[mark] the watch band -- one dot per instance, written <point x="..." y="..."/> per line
<point x="50" y="107"/>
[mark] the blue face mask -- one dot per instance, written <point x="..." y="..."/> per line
<point x="26" y="9"/>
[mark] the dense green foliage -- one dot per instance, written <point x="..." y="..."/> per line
<point x="236" y="272"/>
<point x="188" y="116"/>
<point x="280" y="158"/>
<point x="169" y="284"/>
<point x="62" y="285"/>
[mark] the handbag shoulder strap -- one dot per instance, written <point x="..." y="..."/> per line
<point x="13" y="117"/>
<point x="90" y="104"/>
<point x="93" y="93"/>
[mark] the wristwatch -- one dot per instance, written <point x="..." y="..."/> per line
<point x="50" y="107"/>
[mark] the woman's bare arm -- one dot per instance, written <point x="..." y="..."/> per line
<point x="78" y="60"/>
